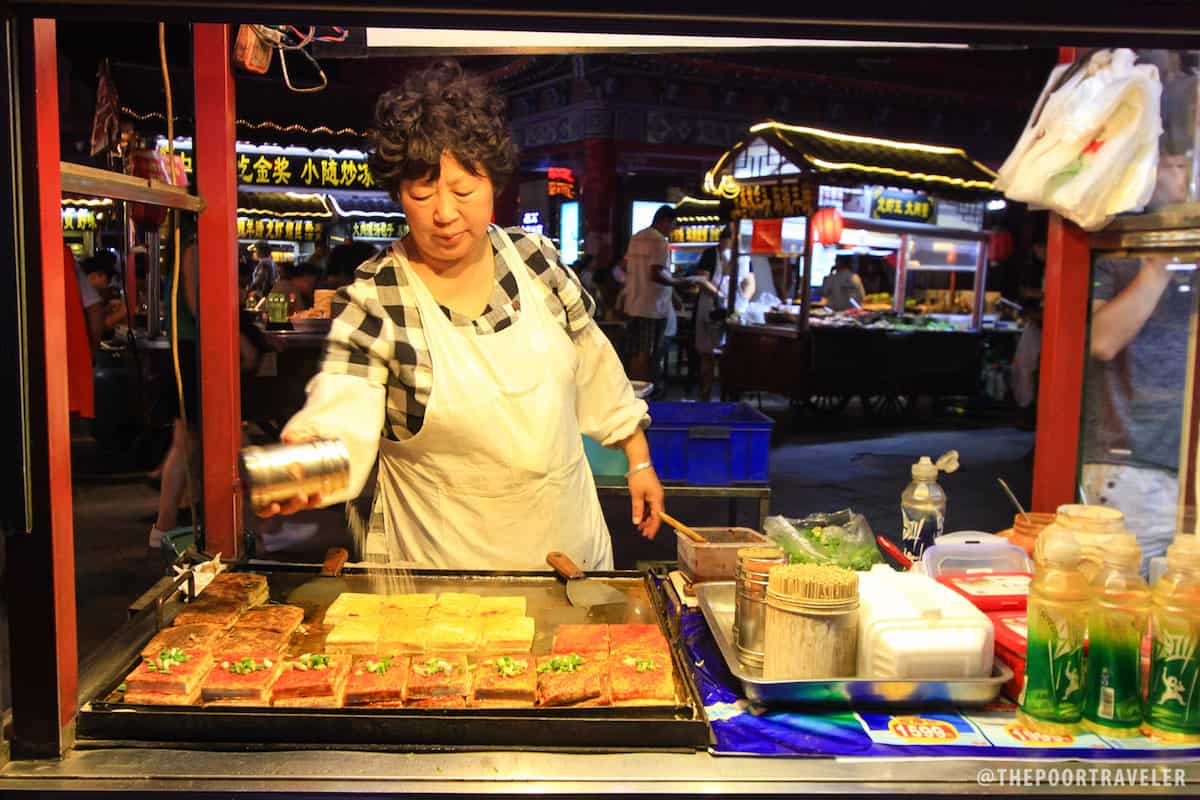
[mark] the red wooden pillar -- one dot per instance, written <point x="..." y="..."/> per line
<point x="1064" y="339"/>
<point x="40" y="581"/>
<point x="220" y="376"/>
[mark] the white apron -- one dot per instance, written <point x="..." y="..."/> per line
<point x="496" y="477"/>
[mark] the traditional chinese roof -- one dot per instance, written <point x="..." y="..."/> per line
<point x="701" y="210"/>
<point x="773" y="151"/>
<point x="305" y="205"/>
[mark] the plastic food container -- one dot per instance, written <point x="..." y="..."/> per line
<point x="716" y="560"/>
<point x="992" y="591"/>
<point x="709" y="443"/>
<point x="1025" y="530"/>
<point x="1012" y="631"/>
<point x="967" y="559"/>
<point x="911" y="627"/>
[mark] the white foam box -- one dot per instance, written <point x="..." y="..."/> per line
<point x="912" y="627"/>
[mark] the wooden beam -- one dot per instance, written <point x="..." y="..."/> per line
<point x="220" y="376"/>
<point x="80" y="179"/>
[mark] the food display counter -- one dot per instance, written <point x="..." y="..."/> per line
<point x="824" y="368"/>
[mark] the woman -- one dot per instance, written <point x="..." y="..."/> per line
<point x="473" y="351"/>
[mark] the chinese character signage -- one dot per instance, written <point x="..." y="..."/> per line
<point x="371" y="229"/>
<point x="693" y="234"/>
<point x="78" y="219"/>
<point x="560" y="182"/>
<point x="903" y="206"/>
<point x="312" y="172"/>
<point x="293" y="230"/>
<point x="777" y="201"/>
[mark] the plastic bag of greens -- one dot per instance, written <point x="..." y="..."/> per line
<point x="842" y="538"/>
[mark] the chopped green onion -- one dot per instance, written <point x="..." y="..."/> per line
<point x="510" y="667"/>
<point x="568" y="663"/>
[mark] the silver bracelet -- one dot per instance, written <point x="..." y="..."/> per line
<point x="634" y="470"/>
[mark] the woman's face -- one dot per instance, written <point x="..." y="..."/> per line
<point x="449" y="217"/>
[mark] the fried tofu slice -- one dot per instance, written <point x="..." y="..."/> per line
<point x="353" y="604"/>
<point x="452" y="634"/>
<point x="312" y="680"/>
<point x="569" y="679"/>
<point x="638" y="639"/>
<point x="438" y="676"/>
<point x="197" y="636"/>
<point x="174" y="670"/>
<point x="641" y="679"/>
<point x="584" y="639"/>
<point x="505" y="634"/>
<point x="408" y="602"/>
<point x="508" y="605"/>
<point x="354" y="636"/>
<point x="458" y="604"/>
<point x="505" y="680"/>
<point x="281" y="619"/>
<point x="377" y="681"/>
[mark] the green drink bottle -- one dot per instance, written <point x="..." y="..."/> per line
<point x="1117" y="616"/>
<point x="1052" y="699"/>
<point x="1173" y="704"/>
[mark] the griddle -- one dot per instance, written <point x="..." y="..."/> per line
<point x="106" y="721"/>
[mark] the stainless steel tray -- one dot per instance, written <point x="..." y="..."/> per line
<point x="717" y="602"/>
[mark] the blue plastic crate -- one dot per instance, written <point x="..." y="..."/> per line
<point x="709" y="443"/>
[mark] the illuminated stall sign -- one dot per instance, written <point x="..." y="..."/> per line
<point x="309" y="171"/>
<point x="560" y="182"/>
<point x="902" y="206"/>
<point x="693" y="234"/>
<point x="531" y="222"/>
<point x="78" y="219"/>
<point x="776" y="201"/>
<point x="291" y="230"/>
<point x="372" y="229"/>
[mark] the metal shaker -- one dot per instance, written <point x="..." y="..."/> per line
<point x="279" y="472"/>
<point x="750" y="612"/>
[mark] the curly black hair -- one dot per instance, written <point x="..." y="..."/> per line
<point x="439" y="109"/>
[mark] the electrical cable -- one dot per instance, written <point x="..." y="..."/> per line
<point x="174" y="219"/>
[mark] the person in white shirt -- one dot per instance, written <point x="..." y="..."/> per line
<point x="648" y="288"/>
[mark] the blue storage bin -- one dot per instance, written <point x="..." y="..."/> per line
<point x="709" y="443"/>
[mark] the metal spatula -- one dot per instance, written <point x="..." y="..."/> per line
<point x="584" y="592"/>
<point x="315" y="595"/>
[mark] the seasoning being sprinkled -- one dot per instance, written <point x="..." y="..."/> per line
<point x="811" y="623"/>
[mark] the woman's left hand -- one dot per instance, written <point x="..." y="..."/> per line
<point x="646" y="494"/>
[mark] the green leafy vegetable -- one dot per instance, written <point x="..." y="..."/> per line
<point x="167" y="658"/>
<point x="433" y="666"/>
<point x="245" y="666"/>
<point x="567" y="663"/>
<point x="307" y="661"/>
<point x="510" y="667"/>
<point x="122" y="688"/>
<point x="641" y="664"/>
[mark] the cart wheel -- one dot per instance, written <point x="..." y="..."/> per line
<point x="888" y="406"/>
<point x="828" y="403"/>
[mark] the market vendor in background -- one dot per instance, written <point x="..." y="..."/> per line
<point x="466" y="359"/>
<point x="842" y="286"/>
<point x="714" y="270"/>
<point x="299" y="280"/>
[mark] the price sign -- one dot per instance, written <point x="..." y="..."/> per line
<point x="919" y="730"/>
<point x="1036" y="738"/>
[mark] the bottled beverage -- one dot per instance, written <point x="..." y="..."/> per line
<point x="1118" y="611"/>
<point x="1173" y="703"/>
<point x="1091" y="526"/>
<point x="1052" y="699"/>
<point x="923" y="504"/>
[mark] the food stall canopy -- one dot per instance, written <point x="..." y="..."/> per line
<point x="312" y="205"/>
<point x="776" y="152"/>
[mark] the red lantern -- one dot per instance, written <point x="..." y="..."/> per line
<point x="1000" y="247"/>
<point x="827" y="225"/>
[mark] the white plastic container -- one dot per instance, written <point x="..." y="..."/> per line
<point x="913" y="628"/>
<point x="970" y="559"/>
<point x="969" y="537"/>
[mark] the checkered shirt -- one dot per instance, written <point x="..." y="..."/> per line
<point x="377" y="331"/>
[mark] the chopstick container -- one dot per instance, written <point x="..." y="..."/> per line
<point x="811" y="623"/>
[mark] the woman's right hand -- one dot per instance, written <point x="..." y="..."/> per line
<point x="299" y="502"/>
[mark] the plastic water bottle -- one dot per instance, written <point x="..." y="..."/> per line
<point x="1118" y="612"/>
<point x="923" y="504"/>
<point x="1051" y="700"/>
<point x="1173" y="704"/>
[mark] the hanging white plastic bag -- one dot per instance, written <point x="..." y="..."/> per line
<point x="1090" y="148"/>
